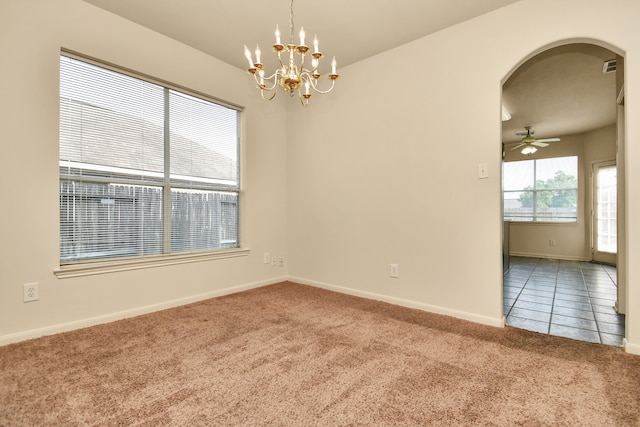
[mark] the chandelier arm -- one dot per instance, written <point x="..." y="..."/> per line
<point x="280" y="60"/>
<point x="311" y="71"/>
<point x="313" y="84"/>
<point x="302" y="55"/>
<point x="267" y="98"/>
<point x="275" y="76"/>
<point x="304" y="101"/>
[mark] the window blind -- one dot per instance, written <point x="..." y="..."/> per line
<point x="144" y="169"/>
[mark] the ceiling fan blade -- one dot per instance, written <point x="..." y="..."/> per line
<point x="540" y="144"/>
<point x="518" y="146"/>
<point x="548" y="140"/>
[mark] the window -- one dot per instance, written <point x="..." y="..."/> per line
<point x="144" y="169"/>
<point x="541" y="190"/>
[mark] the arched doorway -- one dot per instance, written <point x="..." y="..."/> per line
<point x="564" y="112"/>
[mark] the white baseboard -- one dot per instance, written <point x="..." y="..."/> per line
<point x="485" y="320"/>
<point x="548" y="256"/>
<point x="111" y="317"/>
<point x="630" y="348"/>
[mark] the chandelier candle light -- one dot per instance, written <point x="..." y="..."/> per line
<point x="291" y="76"/>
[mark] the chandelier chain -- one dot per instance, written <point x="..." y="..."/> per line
<point x="291" y="23"/>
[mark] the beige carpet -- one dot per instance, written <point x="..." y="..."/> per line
<point x="289" y="354"/>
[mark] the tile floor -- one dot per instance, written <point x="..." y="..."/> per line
<point x="566" y="298"/>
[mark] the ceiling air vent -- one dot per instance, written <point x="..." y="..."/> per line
<point x="609" y="66"/>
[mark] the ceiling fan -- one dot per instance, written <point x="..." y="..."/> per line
<point x="530" y="143"/>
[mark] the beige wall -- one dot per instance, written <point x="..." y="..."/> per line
<point x="387" y="171"/>
<point x="32" y="32"/>
<point x="573" y="241"/>
<point x="384" y="170"/>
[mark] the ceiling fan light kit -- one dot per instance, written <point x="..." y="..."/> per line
<point x="291" y="76"/>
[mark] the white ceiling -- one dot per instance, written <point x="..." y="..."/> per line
<point x="559" y="92"/>
<point x="350" y="30"/>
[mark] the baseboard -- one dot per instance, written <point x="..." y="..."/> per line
<point x="111" y="317"/>
<point x="630" y="348"/>
<point x="485" y="320"/>
<point x="548" y="256"/>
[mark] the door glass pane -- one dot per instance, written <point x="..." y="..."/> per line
<point x="606" y="210"/>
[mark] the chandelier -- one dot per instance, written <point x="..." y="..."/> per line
<point x="292" y="76"/>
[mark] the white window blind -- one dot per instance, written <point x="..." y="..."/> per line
<point x="144" y="169"/>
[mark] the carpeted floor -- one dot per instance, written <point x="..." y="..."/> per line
<point x="289" y="354"/>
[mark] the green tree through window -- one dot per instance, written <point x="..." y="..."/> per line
<point x="554" y="192"/>
<point x="541" y="190"/>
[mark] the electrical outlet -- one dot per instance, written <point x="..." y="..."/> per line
<point x="267" y="258"/>
<point x="281" y="261"/>
<point x="552" y="242"/>
<point x="31" y="292"/>
<point x="274" y="261"/>
<point x="395" y="272"/>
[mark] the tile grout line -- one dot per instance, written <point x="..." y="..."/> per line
<point x="598" y="325"/>
<point x="595" y="319"/>
<point x="553" y="301"/>
<point x="521" y="289"/>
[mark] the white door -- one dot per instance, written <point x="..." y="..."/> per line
<point x="605" y="214"/>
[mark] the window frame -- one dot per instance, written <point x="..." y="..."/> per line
<point x="98" y="266"/>
<point x="535" y="191"/>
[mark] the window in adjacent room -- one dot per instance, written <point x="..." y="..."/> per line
<point x="541" y="190"/>
<point x="144" y="169"/>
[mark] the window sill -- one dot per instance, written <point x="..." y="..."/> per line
<point x="100" y="267"/>
<point x="547" y="223"/>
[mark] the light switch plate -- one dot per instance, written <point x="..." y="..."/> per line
<point x="483" y="170"/>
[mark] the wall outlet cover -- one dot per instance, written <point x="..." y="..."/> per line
<point x="31" y="292"/>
